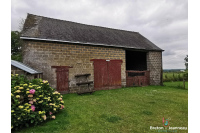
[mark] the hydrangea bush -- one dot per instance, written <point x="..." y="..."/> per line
<point x="32" y="102"/>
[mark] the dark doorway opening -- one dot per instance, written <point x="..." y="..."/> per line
<point x="136" y="60"/>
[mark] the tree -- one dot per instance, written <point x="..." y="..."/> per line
<point x="186" y="62"/>
<point x="16" y="46"/>
<point x="21" y="24"/>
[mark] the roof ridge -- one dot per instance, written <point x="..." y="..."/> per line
<point x="83" y="24"/>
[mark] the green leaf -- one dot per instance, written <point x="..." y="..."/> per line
<point x="32" y="115"/>
<point x="32" y="121"/>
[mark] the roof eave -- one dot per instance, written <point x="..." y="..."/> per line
<point x="13" y="63"/>
<point x="77" y="42"/>
<point x="27" y="71"/>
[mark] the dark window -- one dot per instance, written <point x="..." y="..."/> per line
<point x="136" y="60"/>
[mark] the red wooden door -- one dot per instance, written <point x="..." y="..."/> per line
<point x="107" y="74"/>
<point x="114" y="70"/>
<point x="62" y="75"/>
<point x="100" y="74"/>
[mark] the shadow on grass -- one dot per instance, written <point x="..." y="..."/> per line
<point x="146" y="112"/>
<point x="112" y="119"/>
<point x="152" y="102"/>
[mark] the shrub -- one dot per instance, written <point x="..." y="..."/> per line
<point x="32" y="102"/>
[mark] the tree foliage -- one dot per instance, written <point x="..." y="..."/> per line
<point x="186" y="62"/>
<point x="16" y="46"/>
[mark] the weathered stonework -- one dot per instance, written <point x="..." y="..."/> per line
<point x="43" y="55"/>
<point x="154" y="65"/>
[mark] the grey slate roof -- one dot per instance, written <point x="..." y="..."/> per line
<point x="39" y="27"/>
<point x="24" y="67"/>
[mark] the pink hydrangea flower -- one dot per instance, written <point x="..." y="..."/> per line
<point x="62" y="107"/>
<point x="32" y="91"/>
<point x="31" y="102"/>
<point x="50" y="113"/>
<point x="45" y="81"/>
<point x="33" y="107"/>
<point x="61" y="99"/>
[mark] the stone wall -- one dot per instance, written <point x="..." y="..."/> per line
<point x="43" y="55"/>
<point x="154" y="65"/>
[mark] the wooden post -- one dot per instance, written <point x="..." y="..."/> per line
<point x="161" y="77"/>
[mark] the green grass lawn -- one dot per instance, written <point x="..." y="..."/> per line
<point x="125" y="110"/>
<point x="177" y="84"/>
<point x="173" y="76"/>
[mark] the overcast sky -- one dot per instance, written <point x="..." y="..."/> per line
<point x="163" y="22"/>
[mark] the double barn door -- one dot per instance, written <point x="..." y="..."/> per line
<point x="107" y="74"/>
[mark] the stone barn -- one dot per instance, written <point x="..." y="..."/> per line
<point x="74" y="56"/>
